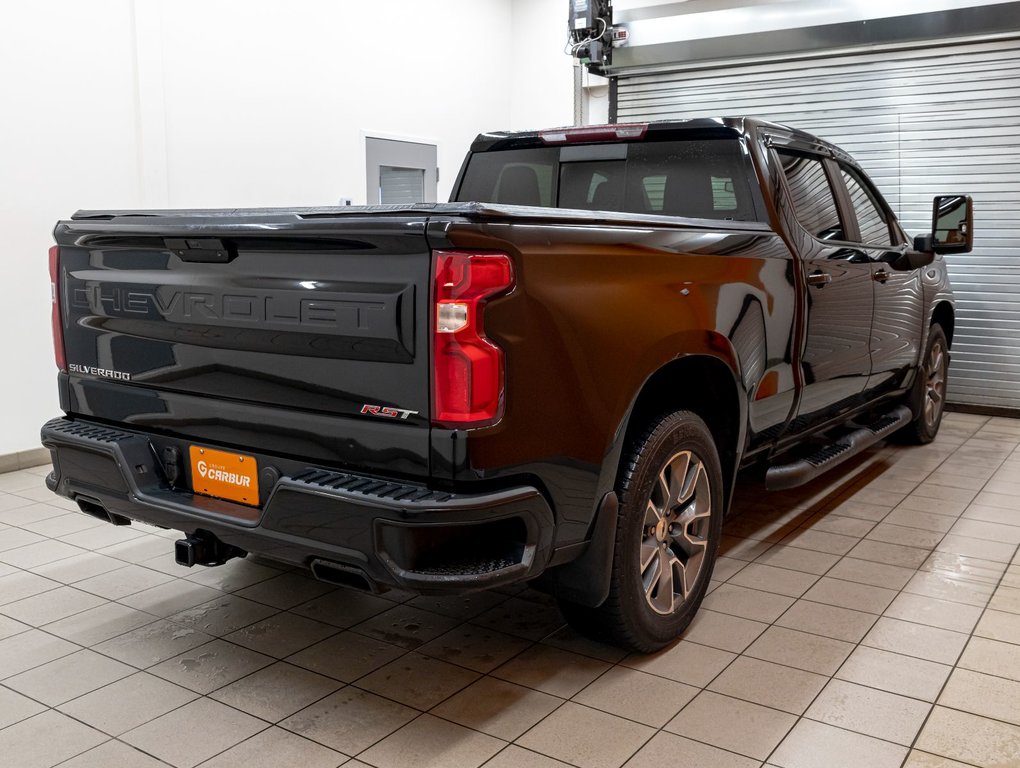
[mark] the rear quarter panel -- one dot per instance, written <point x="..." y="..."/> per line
<point x="596" y="311"/>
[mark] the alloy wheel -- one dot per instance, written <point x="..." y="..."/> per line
<point x="674" y="538"/>
<point x="935" y="387"/>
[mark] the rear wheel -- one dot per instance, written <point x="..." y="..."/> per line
<point x="928" y="398"/>
<point x="671" y="507"/>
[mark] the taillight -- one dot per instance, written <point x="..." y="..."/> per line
<point x="467" y="368"/>
<point x="58" y="328"/>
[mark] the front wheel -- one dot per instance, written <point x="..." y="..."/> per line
<point x="928" y="398"/>
<point x="670" y="521"/>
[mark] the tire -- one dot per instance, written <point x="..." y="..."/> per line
<point x="928" y="397"/>
<point x="670" y="521"/>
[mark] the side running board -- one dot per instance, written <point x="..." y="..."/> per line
<point x="782" y="476"/>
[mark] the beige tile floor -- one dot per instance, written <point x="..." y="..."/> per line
<point x="871" y="619"/>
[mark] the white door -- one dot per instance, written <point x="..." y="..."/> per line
<point x="400" y="172"/>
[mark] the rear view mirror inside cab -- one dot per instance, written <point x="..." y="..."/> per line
<point x="952" y="226"/>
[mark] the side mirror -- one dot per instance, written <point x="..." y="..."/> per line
<point x="952" y="226"/>
<point x="912" y="260"/>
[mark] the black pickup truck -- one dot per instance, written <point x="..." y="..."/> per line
<point x="554" y="378"/>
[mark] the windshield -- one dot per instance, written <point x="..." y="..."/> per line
<point x="698" y="178"/>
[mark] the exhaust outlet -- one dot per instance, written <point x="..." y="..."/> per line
<point x="343" y="575"/>
<point x="94" y="508"/>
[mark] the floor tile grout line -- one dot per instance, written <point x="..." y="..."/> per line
<point x="78" y="648"/>
<point x="166" y="762"/>
<point x="656" y="730"/>
<point x="941" y="757"/>
<point x="84" y="551"/>
<point x="518" y="746"/>
<point x="198" y="695"/>
<point x="701" y="689"/>
<point x="406" y="651"/>
<point x="137" y="670"/>
<point x="252" y="736"/>
<point x="79" y="754"/>
<point x="1007" y="723"/>
<point x="902" y="589"/>
<point x="118" y="737"/>
<point x="100" y="642"/>
<point x="858" y="645"/>
<point x="420" y="714"/>
<point x="856" y="610"/>
<point x="850" y="488"/>
<point x="535" y="725"/>
<point x="745" y="563"/>
<point x="43" y="592"/>
<point x="716" y="746"/>
<point x="845" y="493"/>
<point x="67" y="616"/>
<point x="118" y="741"/>
<point x="224" y="639"/>
<point x="957" y="662"/>
<point x="353" y="683"/>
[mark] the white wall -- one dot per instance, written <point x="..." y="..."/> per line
<point x="188" y="103"/>
<point x="542" y="94"/>
<point x="67" y="140"/>
<point x="272" y="113"/>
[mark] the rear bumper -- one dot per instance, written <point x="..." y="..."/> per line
<point x="394" y="534"/>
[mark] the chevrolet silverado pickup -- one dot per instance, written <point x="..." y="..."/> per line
<point x="554" y="378"/>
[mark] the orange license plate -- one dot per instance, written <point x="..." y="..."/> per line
<point x="224" y="475"/>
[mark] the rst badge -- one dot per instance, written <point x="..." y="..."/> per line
<point x="389" y="413"/>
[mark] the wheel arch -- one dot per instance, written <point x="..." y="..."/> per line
<point x="703" y="384"/>
<point x="945" y="315"/>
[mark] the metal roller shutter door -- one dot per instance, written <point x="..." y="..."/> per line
<point x="922" y="122"/>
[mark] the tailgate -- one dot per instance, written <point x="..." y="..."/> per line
<point x="272" y="332"/>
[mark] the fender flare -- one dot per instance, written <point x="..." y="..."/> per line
<point x="586" y="579"/>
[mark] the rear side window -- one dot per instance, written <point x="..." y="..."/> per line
<point x="699" y="178"/>
<point x="870" y="217"/>
<point x="516" y="177"/>
<point x="724" y="194"/>
<point x="813" y="200"/>
<point x="706" y="179"/>
<point x="654" y="188"/>
<point x="592" y="186"/>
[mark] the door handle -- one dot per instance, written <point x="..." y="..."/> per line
<point x="881" y="275"/>
<point x="820" y="279"/>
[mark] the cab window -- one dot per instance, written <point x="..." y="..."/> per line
<point x="871" y="218"/>
<point x="698" y="178"/>
<point x="813" y="200"/>
<point x="592" y="186"/>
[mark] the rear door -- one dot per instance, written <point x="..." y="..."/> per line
<point x="294" y="335"/>
<point x="897" y="326"/>
<point x="836" y="357"/>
